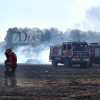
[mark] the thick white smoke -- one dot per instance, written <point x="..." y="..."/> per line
<point x="2" y="51"/>
<point x="25" y="52"/>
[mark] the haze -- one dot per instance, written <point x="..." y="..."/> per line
<point x="61" y="14"/>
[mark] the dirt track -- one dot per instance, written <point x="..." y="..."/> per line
<point x="47" y="83"/>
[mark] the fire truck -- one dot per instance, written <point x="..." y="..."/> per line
<point x="70" y="53"/>
<point x="94" y="54"/>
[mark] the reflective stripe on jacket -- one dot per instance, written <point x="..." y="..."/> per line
<point x="8" y="63"/>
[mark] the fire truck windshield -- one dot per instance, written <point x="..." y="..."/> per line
<point x="80" y="47"/>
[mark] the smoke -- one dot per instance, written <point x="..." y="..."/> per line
<point x="91" y="20"/>
<point x="2" y="49"/>
<point x="89" y="36"/>
<point x="41" y="51"/>
<point x="50" y="37"/>
<point x="26" y="52"/>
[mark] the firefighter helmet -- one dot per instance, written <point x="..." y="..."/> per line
<point x="8" y="51"/>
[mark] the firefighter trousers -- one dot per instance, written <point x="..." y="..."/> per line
<point x="11" y="75"/>
<point x="8" y="74"/>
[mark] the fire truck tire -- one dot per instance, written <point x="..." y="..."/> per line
<point x="91" y="62"/>
<point x="54" y="63"/>
<point x="85" y="65"/>
<point x="66" y="63"/>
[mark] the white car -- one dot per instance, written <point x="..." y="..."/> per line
<point x="35" y="61"/>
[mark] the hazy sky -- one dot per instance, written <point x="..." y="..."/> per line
<point x="61" y="14"/>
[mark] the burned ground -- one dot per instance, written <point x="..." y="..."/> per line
<point x="43" y="82"/>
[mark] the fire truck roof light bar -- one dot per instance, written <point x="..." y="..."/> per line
<point x="94" y="43"/>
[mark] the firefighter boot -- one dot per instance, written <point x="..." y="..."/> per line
<point x="13" y="82"/>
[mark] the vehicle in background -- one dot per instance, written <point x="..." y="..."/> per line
<point x="70" y="53"/>
<point x="94" y="54"/>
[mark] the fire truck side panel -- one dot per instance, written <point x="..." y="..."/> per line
<point x="55" y="52"/>
<point x="66" y="52"/>
<point x="95" y="54"/>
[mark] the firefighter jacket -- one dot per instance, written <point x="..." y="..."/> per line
<point x="13" y="58"/>
<point x="8" y="64"/>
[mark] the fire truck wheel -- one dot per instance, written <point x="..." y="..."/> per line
<point x="54" y="63"/>
<point x="85" y="65"/>
<point x="66" y="63"/>
<point x="90" y="64"/>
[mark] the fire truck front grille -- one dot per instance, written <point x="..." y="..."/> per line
<point x="80" y="55"/>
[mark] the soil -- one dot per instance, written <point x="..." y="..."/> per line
<point x="44" y="82"/>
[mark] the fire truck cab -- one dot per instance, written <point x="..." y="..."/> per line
<point x="70" y="53"/>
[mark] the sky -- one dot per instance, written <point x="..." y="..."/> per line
<point x="61" y="14"/>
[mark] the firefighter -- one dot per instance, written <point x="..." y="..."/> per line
<point x="8" y="69"/>
<point x="12" y="59"/>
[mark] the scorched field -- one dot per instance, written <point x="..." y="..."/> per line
<point x="44" y="82"/>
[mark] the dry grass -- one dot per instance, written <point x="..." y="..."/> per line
<point x="47" y="83"/>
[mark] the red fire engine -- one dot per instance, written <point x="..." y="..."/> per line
<point x="70" y="53"/>
<point x="94" y="53"/>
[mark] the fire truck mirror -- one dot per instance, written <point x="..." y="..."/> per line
<point x="64" y="47"/>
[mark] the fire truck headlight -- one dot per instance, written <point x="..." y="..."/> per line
<point x="87" y="59"/>
<point x="73" y="59"/>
